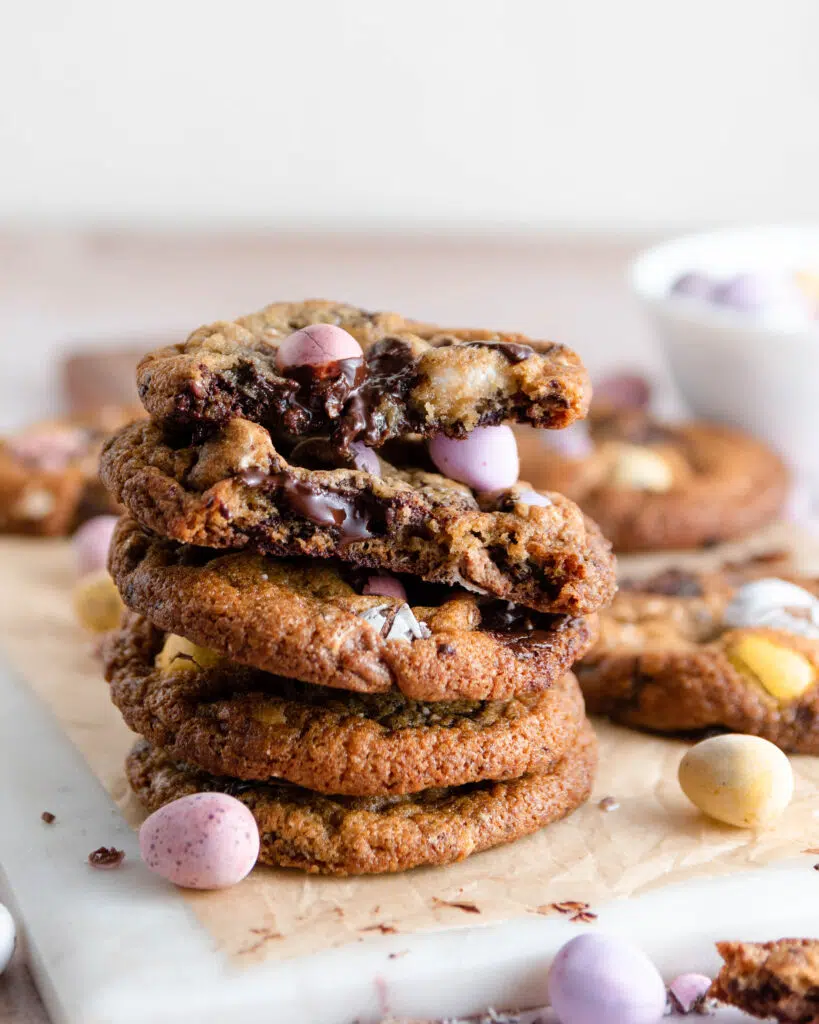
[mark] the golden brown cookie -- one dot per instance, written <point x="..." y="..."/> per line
<point x="49" y="481"/>
<point x="373" y="835"/>
<point x="685" y="652"/>
<point x="652" y="485"/>
<point x="778" y="980"/>
<point x="310" y="621"/>
<point x="412" y="378"/>
<point x="230" y="720"/>
<point x="236" y="491"/>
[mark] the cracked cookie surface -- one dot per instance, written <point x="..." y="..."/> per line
<point x="373" y="835"/>
<point x="236" y="721"/>
<point x="310" y="621"/>
<point x="412" y="378"/>
<point x="673" y="657"/>
<point x="652" y="485"/>
<point x="237" y="491"/>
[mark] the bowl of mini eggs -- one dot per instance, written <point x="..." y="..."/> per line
<point x="738" y="314"/>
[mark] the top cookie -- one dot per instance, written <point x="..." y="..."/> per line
<point x="410" y="378"/>
<point x="654" y="485"/>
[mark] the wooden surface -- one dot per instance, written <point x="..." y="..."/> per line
<point x="56" y="289"/>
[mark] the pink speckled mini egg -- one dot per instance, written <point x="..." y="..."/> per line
<point x="316" y="345"/>
<point x="485" y="460"/>
<point x="385" y="586"/>
<point x="202" y="841"/>
<point x="91" y="543"/>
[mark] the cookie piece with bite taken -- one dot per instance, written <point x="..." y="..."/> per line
<point x="237" y="490"/>
<point x="319" y="367"/>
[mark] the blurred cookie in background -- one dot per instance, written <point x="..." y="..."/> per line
<point x="656" y="485"/>
<point x="93" y="376"/>
<point x="49" y="482"/>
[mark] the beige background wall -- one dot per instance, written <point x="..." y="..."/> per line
<point x="436" y="114"/>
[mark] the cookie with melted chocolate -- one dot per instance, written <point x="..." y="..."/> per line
<point x="237" y="491"/>
<point x="232" y="720"/>
<point x="310" y="620"/>
<point x="653" y="485"/>
<point x="345" y="835"/>
<point x="412" y="378"/>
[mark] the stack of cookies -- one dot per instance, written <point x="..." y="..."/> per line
<point x="344" y="609"/>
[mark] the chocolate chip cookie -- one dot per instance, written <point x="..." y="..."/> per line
<point x="236" y="490"/>
<point x="778" y="980"/>
<point x="312" y="621"/>
<point x="685" y="652"/>
<point x="235" y="721"/>
<point x="341" y="835"/>
<point x="411" y="378"/>
<point x="652" y="485"/>
<point x="49" y="482"/>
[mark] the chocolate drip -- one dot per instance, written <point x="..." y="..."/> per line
<point x="324" y="508"/>
<point x="520" y="629"/>
<point x="391" y="375"/>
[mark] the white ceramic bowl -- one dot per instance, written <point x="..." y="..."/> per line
<point x="760" y="375"/>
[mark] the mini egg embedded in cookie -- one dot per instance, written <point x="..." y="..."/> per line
<point x="784" y="673"/>
<point x="485" y="460"/>
<point x="317" y="345"/>
<point x="641" y="469"/>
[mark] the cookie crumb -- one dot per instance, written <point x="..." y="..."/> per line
<point x="106" y="857"/>
<point x="609" y="803"/>
<point x="385" y="929"/>
<point x="570" y="907"/>
<point x="468" y="908"/>
<point x="48" y="817"/>
<point x="583" y="917"/>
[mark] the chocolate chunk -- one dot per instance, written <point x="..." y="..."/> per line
<point x="106" y="857"/>
<point x="405" y="626"/>
<point x="48" y="817"/>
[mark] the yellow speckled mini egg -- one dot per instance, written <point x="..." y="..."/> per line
<point x="740" y="780"/>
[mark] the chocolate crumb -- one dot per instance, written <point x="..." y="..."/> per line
<point x="609" y="803"/>
<point x="816" y="867"/>
<point x="395" y="956"/>
<point x="468" y="908"/>
<point x="570" y="907"/>
<point x="584" y="917"/>
<point x="385" y="929"/>
<point x="48" y="817"/>
<point x="106" y="857"/>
